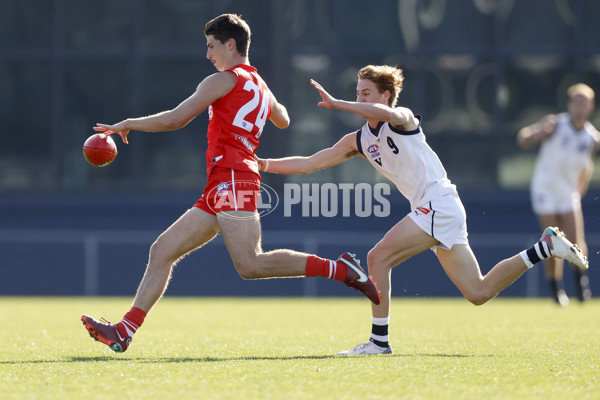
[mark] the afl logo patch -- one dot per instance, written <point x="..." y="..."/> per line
<point x="373" y="148"/>
<point x="222" y="186"/>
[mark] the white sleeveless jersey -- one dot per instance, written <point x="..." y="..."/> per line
<point x="563" y="157"/>
<point x="406" y="159"/>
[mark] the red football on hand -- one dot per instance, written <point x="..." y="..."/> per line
<point x="99" y="150"/>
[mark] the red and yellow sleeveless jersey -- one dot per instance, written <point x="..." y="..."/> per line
<point x="237" y="120"/>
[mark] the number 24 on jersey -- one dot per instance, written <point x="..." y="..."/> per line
<point x="261" y="118"/>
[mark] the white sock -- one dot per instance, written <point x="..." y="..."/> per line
<point x="526" y="259"/>
<point x="381" y="321"/>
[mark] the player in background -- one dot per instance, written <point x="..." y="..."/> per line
<point x="393" y="142"/>
<point x="239" y="104"/>
<point x="561" y="177"/>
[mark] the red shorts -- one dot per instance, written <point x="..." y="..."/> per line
<point x="228" y="189"/>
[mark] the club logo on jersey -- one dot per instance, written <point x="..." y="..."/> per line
<point x="222" y="188"/>
<point x="374" y="151"/>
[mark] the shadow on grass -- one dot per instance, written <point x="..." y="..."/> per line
<point x="284" y="358"/>
<point x="160" y="360"/>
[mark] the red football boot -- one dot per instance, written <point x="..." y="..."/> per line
<point x="357" y="278"/>
<point x="106" y="333"/>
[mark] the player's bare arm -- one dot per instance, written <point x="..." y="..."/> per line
<point x="399" y="117"/>
<point x="343" y="150"/>
<point x="279" y="114"/>
<point x="210" y="89"/>
<point x="586" y="176"/>
<point x="538" y="132"/>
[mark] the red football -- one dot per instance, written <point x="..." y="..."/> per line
<point x="99" y="149"/>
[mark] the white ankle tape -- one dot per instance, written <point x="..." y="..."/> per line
<point x="381" y="321"/>
<point x="525" y="258"/>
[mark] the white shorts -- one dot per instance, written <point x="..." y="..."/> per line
<point x="444" y="219"/>
<point x="550" y="203"/>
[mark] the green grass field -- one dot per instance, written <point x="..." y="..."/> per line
<point x="249" y="348"/>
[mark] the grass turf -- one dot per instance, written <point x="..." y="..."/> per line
<point x="274" y="348"/>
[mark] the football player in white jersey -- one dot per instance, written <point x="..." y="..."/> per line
<point x="561" y="177"/>
<point x="393" y="142"/>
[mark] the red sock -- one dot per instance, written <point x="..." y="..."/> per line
<point x="131" y="321"/>
<point x="330" y="269"/>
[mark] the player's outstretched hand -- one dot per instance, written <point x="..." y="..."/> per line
<point x="116" y="128"/>
<point x="327" y="100"/>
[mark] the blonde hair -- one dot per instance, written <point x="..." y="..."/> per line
<point x="581" y="89"/>
<point x="385" y="77"/>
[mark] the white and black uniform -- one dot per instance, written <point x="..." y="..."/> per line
<point x="406" y="159"/>
<point x="561" y="161"/>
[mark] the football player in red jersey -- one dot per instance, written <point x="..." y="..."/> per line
<point x="239" y="104"/>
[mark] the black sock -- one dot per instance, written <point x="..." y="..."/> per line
<point x="379" y="335"/>
<point x="582" y="282"/>
<point x="555" y="287"/>
<point x="538" y="252"/>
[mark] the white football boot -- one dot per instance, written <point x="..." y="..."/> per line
<point x="560" y="247"/>
<point x="366" y="348"/>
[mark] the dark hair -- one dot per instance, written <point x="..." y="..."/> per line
<point x="230" y="26"/>
<point x="385" y="78"/>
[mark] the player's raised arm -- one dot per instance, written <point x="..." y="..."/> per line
<point x="398" y="117"/>
<point x="343" y="150"/>
<point x="538" y="132"/>
<point x="210" y="89"/>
